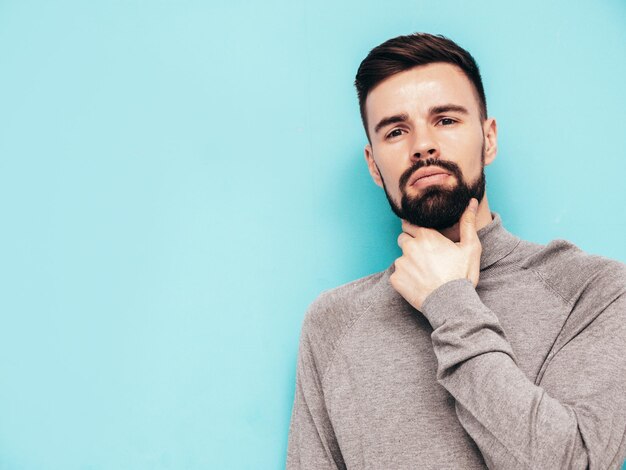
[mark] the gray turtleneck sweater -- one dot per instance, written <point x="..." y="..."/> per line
<point x="527" y="371"/>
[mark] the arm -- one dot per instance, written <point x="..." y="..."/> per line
<point x="576" y="416"/>
<point x="312" y="442"/>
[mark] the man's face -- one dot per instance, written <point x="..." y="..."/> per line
<point x="429" y="144"/>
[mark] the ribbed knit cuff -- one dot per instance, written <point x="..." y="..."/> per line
<point x="450" y="298"/>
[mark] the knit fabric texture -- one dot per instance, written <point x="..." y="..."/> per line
<point x="525" y="371"/>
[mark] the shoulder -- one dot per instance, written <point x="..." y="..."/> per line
<point x="571" y="272"/>
<point x="335" y="309"/>
<point x="331" y="315"/>
<point x="347" y="298"/>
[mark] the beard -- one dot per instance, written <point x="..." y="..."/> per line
<point x="438" y="207"/>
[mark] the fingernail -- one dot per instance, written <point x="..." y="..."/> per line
<point x="473" y="205"/>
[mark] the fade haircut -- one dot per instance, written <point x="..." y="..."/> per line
<point x="405" y="52"/>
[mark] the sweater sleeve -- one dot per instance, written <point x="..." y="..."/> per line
<point x="575" y="418"/>
<point x="312" y="443"/>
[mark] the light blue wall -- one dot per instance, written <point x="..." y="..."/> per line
<point x="179" y="180"/>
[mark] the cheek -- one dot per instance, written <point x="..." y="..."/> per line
<point x="392" y="180"/>
<point x="390" y="170"/>
<point x="465" y="151"/>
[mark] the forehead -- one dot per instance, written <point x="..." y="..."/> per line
<point x="420" y="88"/>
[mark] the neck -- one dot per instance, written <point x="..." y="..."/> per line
<point x="483" y="218"/>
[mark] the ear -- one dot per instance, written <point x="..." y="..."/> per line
<point x="371" y="166"/>
<point x="490" y="131"/>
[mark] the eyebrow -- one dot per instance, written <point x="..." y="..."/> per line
<point x="403" y="117"/>
<point x="396" y="118"/>
<point x="447" y="108"/>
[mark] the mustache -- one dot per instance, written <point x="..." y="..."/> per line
<point x="445" y="164"/>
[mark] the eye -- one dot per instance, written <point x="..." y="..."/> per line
<point x="395" y="133"/>
<point x="446" y="121"/>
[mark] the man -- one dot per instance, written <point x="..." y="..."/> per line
<point x="474" y="349"/>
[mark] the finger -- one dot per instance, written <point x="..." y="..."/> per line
<point x="403" y="238"/>
<point x="467" y="227"/>
<point x="414" y="230"/>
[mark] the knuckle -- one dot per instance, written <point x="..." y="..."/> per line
<point x="412" y="248"/>
<point x="400" y="266"/>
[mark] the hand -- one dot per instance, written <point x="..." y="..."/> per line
<point x="429" y="259"/>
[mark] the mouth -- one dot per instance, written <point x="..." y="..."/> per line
<point x="427" y="176"/>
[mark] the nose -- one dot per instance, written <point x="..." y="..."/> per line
<point x="425" y="144"/>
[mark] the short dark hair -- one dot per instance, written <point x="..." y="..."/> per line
<point x="405" y="52"/>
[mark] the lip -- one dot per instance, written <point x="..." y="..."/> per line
<point x="427" y="171"/>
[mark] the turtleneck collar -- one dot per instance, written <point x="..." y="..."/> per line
<point x="496" y="241"/>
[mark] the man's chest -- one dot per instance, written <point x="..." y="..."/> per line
<point x="382" y="393"/>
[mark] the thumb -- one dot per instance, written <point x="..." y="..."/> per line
<point x="467" y="227"/>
